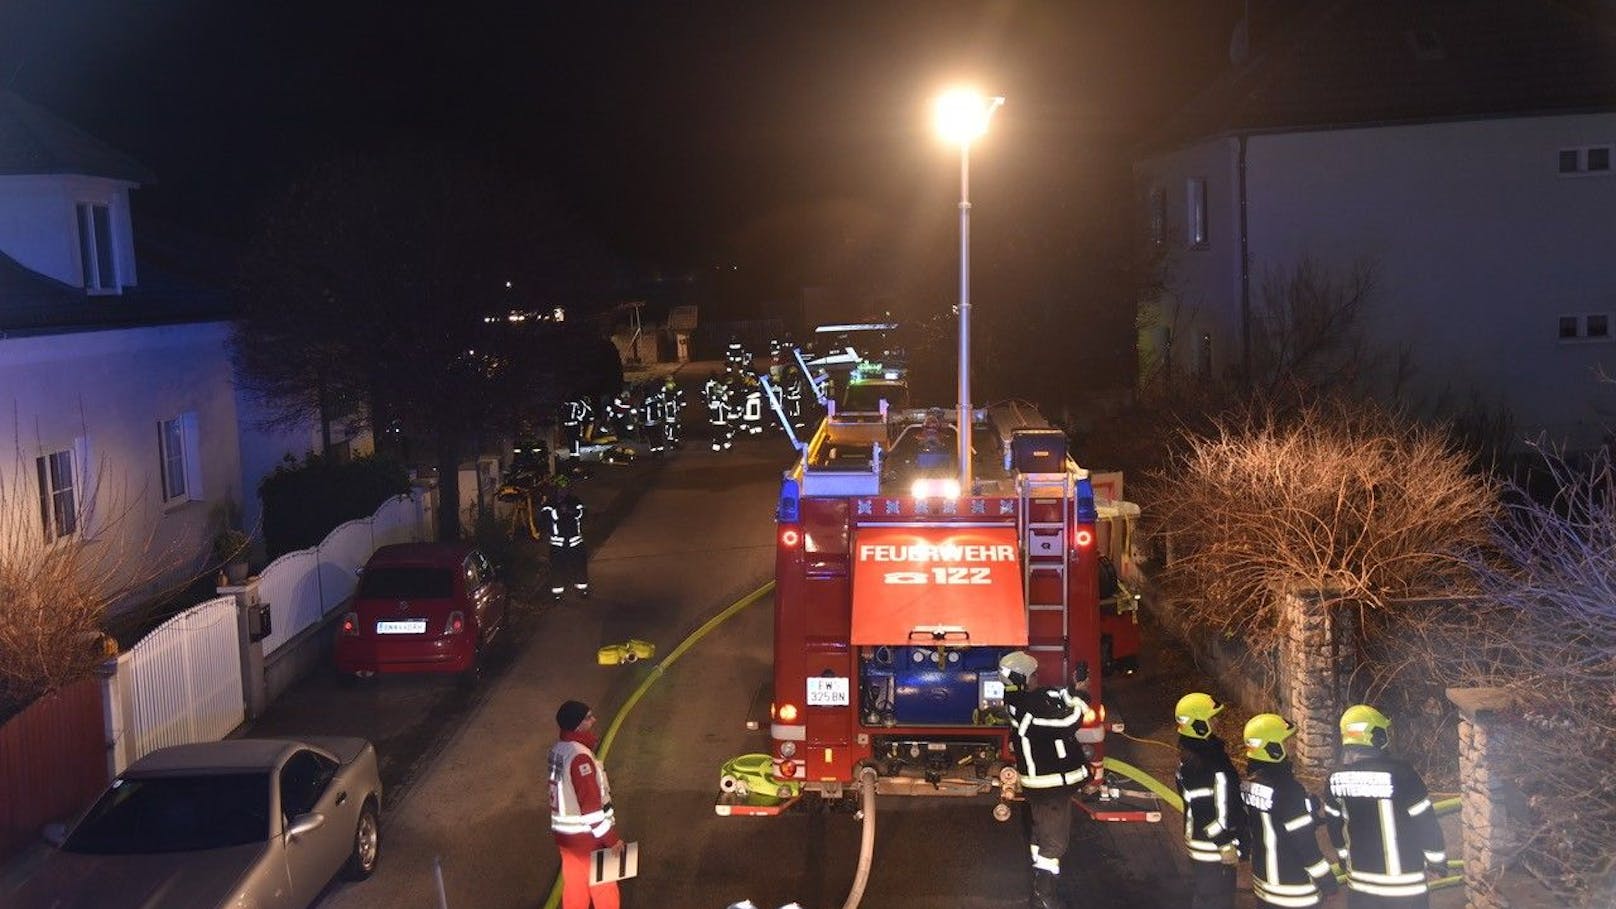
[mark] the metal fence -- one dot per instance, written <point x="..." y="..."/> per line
<point x="303" y="587"/>
<point x="180" y="684"/>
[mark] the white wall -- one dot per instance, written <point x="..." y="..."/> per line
<point x="1480" y="246"/>
<point x="111" y="388"/>
<point x="39" y="226"/>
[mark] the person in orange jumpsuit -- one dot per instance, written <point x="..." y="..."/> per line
<point x="581" y="814"/>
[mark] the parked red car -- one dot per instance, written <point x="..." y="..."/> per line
<point x="422" y="607"/>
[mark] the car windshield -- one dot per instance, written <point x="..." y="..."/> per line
<point x="144" y="815"/>
<point x="406" y="583"/>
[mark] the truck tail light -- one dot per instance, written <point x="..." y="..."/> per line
<point x="790" y="537"/>
<point x="456" y="623"/>
<point x="788" y="713"/>
<point x="350" y="624"/>
<point x="1083" y="538"/>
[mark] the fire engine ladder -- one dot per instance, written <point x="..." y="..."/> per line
<point x="1046" y="516"/>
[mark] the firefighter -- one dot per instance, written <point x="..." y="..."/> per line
<point x="1054" y="765"/>
<point x="1380" y="818"/>
<point x="1214" y="818"/>
<point x="1287" y="868"/>
<point x="752" y="403"/>
<point x="581" y="815"/>
<point x="575" y="413"/>
<point x="569" y="559"/>
<point x="735" y="355"/>
<point x="712" y="394"/>
<point x="673" y="408"/>
<point x="793" y="394"/>
<point x="652" y="410"/>
<point x="625" y="416"/>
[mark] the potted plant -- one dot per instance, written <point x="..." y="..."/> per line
<point x="230" y="551"/>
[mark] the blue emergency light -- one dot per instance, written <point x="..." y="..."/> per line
<point x="1086" y="512"/>
<point x="788" y="512"/>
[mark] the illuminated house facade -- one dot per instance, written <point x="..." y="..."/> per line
<point x="119" y="420"/>
<point x="1462" y="149"/>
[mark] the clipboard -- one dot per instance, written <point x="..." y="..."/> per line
<point x="605" y="867"/>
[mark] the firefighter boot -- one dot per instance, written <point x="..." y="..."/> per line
<point x="1043" y="890"/>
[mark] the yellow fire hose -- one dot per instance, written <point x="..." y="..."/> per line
<point x="656" y="672"/>
<point x="1169" y="796"/>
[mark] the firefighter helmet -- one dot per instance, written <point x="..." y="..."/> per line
<point x="1265" y="737"/>
<point x="1194" y="714"/>
<point x="1362" y="724"/>
<point x="1017" y="667"/>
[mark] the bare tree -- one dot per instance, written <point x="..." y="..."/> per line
<point x="1544" y="628"/>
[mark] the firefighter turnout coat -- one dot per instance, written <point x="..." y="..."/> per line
<point x="1381" y="821"/>
<point x="1044" y="723"/>
<point x="581" y="814"/>
<point x="1213" y="815"/>
<point x="1286" y="864"/>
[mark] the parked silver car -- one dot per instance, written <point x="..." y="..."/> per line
<point x="242" y="823"/>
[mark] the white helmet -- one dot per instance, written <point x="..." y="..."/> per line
<point x="1017" y="667"/>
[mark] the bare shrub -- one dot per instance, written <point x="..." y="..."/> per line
<point x="54" y="592"/>
<point x="1546" y="631"/>
<point x="1337" y="496"/>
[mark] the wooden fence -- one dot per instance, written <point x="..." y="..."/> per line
<point x="53" y="761"/>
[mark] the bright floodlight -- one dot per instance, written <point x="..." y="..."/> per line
<point x="962" y="115"/>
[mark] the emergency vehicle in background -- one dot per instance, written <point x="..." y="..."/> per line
<point x="896" y="593"/>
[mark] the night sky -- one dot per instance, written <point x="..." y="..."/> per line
<point x="682" y="133"/>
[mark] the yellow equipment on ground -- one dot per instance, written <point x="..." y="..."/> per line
<point x="630" y="651"/>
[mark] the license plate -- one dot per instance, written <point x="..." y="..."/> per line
<point x="827" y="691"/>
<point x="407" y="626"/>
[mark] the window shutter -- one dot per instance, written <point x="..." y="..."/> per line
<point x="193" y="456"/>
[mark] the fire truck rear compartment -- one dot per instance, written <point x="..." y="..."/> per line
<point x="930" y="686"/>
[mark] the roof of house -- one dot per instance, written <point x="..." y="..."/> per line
<point x="35" y="141"/>
<point x="1344" y="63"/>
<point x="170" y="291"/>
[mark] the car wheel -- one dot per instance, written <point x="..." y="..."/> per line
<point x="474" y="673"/>
<point x="367" y="845"/>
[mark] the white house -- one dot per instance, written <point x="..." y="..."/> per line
<point x="119" y="418"/>
<point x="1461" y="148"/>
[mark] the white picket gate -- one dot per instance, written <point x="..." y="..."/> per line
<point x="180" y="684"/>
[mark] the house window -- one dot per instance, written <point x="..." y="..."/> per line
<point x="1592" y="159"/>
<point x="1590" y="327"/>
<point x="1158" y="216"/>
<point x="177" y="458"/>
<point x="1196" y="192"/>
<point x="95" y="248"/>
<point x="58" y="494"/>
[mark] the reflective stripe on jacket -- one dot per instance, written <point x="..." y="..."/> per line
<point x="1045" y="723"/>
<point x="580" y="796"/>
<point x="1213" y="814"/>
<point x="1380" y="818"/>
<point x="1286" y="863"/>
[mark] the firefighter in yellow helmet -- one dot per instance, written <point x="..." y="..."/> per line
<point x="1214" y="819"/>
<point x="1287" y="868"/>
<point x="1380" y="818"/>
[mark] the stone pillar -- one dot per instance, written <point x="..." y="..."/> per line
<point x="254" y="696"/>
<point x="1484" y="819"/>
<point x="1314" y="662"/>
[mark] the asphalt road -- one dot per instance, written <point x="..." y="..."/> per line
<point x="689" y="536"/>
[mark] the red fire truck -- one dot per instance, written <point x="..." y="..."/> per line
<point x="897" y="593"/>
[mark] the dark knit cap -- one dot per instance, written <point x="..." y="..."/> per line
<point x="571" y="715"/>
